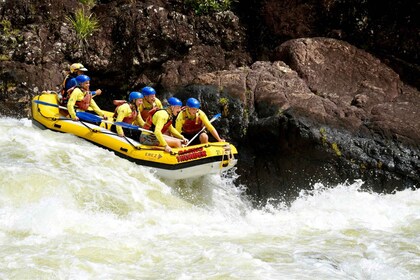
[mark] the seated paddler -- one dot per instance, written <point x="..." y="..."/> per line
<point x="159" y="122"/>
<point x="81" y="98"/>
<point x="150" y="102"/>
<point x="69" y="83"/>
<point x="128" y="112"/>
<point x="191" y="120"/>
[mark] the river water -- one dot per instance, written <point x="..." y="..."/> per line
<point x="71" y="210"/>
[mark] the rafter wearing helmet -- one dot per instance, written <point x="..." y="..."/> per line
<point x="69" y="82"/>
<point x="159" y="122"/>
<point x="81" y="97"/>
<point x="128" y="112"/>
<point x="192" y="119"/>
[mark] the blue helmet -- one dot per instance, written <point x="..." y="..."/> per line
<point x="81" y="79"/>
<point x="71" y="83"/>
<point x="148" y="91"/>
<point x="173" y="101"/>
<point x="193" y="103"/>
<point x="134" y="95"/>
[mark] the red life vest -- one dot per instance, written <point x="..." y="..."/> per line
<point x="146" y="112"/>
<point x="130" y="119"/>
<point x="191" y="126"/>
<point x="85" y="102"/>
<point x="149" y="121"/>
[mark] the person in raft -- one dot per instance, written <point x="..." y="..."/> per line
<point x="149" y="102"/>
<point x="128" y="112"/>
<point x="69" y="82"/>
<point x="159" y="122"/>
<point x="191" y="120"/>
<point x="76" y="69"/>
<point x="82" y="98"/>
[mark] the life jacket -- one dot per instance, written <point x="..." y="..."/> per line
<point x="149" y="121"/>
<point x="146" y="112"/>
<point x="129" y="119"/>
<point x="85" y="102"/>
<point x="191" y="126"/>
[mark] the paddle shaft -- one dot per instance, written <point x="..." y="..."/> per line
<point x="50" y="104"/>
<point x="81" y="115"/>
<point x="130" y="126"/>
<point x="215" y="117"/>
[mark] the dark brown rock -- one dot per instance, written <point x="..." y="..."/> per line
<point x="335" y="105"/>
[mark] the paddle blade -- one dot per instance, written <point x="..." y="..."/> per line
<point x="126" y="125"/>
<point x="215" y="117"/>
<point x="88" y="117"/>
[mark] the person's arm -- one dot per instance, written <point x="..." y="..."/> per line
<point x="175" y="132"/>
<point x="72" y="102"/>
<point x="139" y="119"/>
<point x="122" y="112"/>
<point x="179" y="122"/>
<point x="96" y="108"/>
<point x="96" y="92"/>
<point x="159" y="119"/>
<point x="210" y="127"/>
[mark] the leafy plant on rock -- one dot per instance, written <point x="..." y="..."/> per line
<point x="204" y="7"/>
<point x="83" y="24"/>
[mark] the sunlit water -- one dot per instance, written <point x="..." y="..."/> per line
<point x="71" y="210"/>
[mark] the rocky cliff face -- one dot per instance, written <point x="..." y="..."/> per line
<point x="327" y="111"/>
<point x="300" y="110"/>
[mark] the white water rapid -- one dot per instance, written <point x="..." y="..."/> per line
<point x="72" y="210"/>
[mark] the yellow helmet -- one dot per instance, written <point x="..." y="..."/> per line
<point x="77" y="67"/>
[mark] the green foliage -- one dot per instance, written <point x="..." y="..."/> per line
<point x="205" y="7"/>
<point x="223" y="101"/>
<point x="7" y="26"/>
<point x="335" y="148"/>
<point x="83" y="24"/>
<point x="323" y="133"/>
<point x="4" y="57"/>
<point x="325" y="142"/>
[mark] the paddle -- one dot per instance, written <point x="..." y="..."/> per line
<point x="87" y="117"/>
<point x="215" y="117"/>
<point x="81" y="115"/>
<point x="135" y="127"/>
<point x="93" y="118"/>
<point x="50" y="104"/>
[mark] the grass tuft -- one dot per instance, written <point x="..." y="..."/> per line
<point x="83" y="24"/>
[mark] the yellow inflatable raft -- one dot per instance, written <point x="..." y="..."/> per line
<point x="187" y="162"/>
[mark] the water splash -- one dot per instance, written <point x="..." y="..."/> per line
<point x="71" y="210"/>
